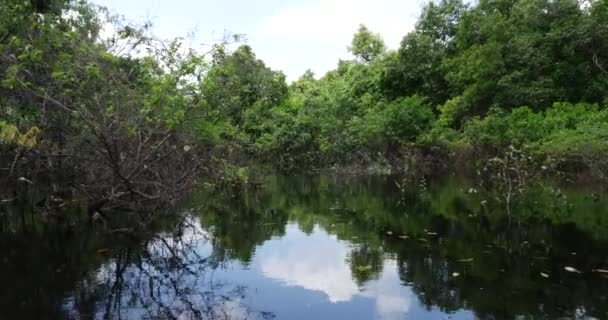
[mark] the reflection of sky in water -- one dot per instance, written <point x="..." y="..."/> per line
<point x="310" y="279"/>
<point x="314" y="263"/>
<point x="297" y="276"/>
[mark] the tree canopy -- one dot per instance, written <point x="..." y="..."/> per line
<point x="497" y="69"/>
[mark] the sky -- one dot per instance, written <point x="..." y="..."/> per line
<point x="289" y="35"/>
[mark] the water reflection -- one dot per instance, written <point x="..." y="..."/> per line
<point x="453" y="249"/>
<point x="314" y="262"/>
<point x="318" y="262"/>
<point x="324" y="248"/>
<point x="164" y="273"/>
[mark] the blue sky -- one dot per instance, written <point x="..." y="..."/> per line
<point x="289" y="35"/>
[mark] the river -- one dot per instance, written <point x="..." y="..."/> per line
<point x="325" y="247"/>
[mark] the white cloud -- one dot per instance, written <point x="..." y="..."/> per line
<point x="315" y="35"/>
<point x="328" y="20"/>
<point x="289" y="35"/>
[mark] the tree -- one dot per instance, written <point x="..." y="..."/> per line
<point x="114" y="123"/>
<point x="238" y="81"/>
<point x="514" y="52"/>
<point x="416" y="68"/>
<point x="366" y="45"/>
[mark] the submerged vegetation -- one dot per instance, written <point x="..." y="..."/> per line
<point x="127" y="120"/>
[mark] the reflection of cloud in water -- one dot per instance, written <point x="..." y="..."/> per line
<point x="318" y="262"/>
<point x="314" y="263"/>
<point x="392" y="300"/>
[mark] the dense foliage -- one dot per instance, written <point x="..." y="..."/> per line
<point x="532" y="74"/>
<point x="96" y="114"/>
<point x="126" y="115"/>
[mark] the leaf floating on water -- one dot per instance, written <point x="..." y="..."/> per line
<point x="404" y="237"/>
<point x="544" y="275"/>
<point x="465" y="260"/>
<point x="390" y="233"/>
<point x="571" y="269"/>
<point x="455" y="274"/>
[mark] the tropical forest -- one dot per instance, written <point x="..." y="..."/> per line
<point x="462" y="174"/>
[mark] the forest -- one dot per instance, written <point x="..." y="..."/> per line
<point x="131" y="120"/>
<point x="462" y="175"/>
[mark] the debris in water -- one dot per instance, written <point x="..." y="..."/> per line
<point x="571" y="269"/>
<point x="23" y="179"/>
<point x="544" y="275"/>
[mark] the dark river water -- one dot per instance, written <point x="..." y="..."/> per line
<point x="323" y="248"/>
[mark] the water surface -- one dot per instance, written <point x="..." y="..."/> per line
<point x="327" y="248"/>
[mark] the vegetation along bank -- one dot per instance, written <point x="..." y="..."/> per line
<point x="130" y="120"/>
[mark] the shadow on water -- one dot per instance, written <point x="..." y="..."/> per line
<point x="451" y="246"/>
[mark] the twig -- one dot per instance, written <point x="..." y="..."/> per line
<point x="17" y="155"/>
<point x="597" y="63"/>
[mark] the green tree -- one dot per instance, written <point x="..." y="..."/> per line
<point x="416" y="67"/>
<point x="237" y="82"/>
<point x="366" y="45"/>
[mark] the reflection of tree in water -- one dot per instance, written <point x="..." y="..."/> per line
<point x="167" y="278"/>
<point x="86" y="273"/>
<point x="432" y="235"/>
<point x="467" y="259"/>
<point x="238" y="225"/>
<point x="455" y="250"/>
<point x="365" y="263"/>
